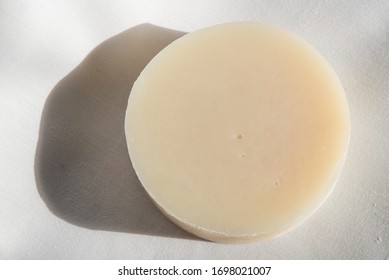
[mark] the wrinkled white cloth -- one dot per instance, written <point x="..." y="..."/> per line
<point x="65" y="216"/>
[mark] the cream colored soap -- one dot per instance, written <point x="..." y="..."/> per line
<point x="238" y="132"/>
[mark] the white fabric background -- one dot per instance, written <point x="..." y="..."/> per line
<point x="42" y="41"/>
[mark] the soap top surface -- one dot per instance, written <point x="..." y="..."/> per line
<point x="238" y="129"/>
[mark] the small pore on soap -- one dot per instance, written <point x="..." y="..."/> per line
<point x="239" y="136"/>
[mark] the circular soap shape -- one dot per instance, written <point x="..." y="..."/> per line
<point x="238" y="131"/>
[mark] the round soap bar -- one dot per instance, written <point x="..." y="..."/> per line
<point x="238" y="131"/>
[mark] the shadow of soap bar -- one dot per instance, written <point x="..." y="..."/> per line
<point x="82" y="169"/>
<point x="237" y="132"/>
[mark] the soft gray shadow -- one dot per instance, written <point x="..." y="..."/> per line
<point x="82" y="168"/>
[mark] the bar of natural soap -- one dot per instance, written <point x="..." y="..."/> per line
<point x="237" y="131"/>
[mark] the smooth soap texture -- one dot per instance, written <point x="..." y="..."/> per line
<point x="238" y="132"/>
